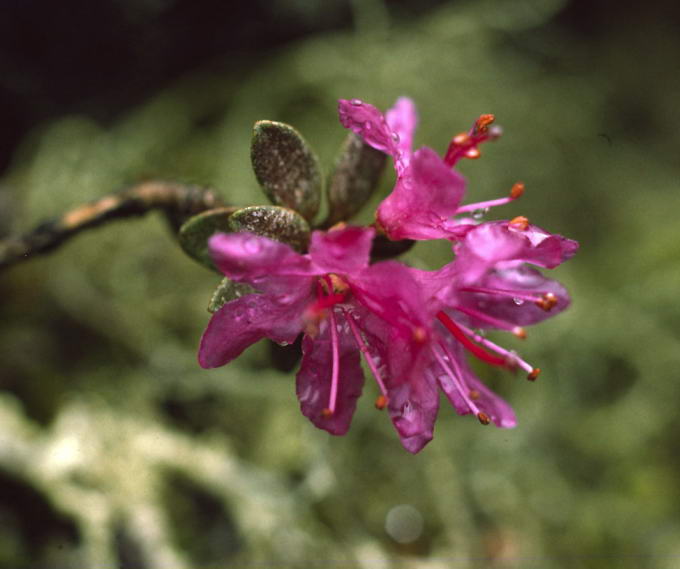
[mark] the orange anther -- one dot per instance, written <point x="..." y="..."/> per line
<point x="517" y="190"/>
<point x="327" y="413"/>
<point x="473" y="153"/>
<point x="484" y="419"/>
<point x="519" y="332"/>
<point x="419" y="334"/>
<point x="461" y="139"/>
<point x="483" y="122"/>
<point x="534" y="374"/>
<point x="380" y="402"/>
<point x="520" y="222"/>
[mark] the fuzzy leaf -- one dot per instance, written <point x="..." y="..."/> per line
<point x="228" y="290"/>
<point x="272" y="221"/>
<point x="286" y="167"/>
<point x="194" y="234"/>
<point x="357" y="172"/>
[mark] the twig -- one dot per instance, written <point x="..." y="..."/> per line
<point x="177" y="201"/>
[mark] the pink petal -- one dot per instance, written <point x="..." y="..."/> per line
<point x="343" y="250"/>
<point x="424" y="198"/>
<point x="369" y="123"/>
<point x="515" y="310"/>
<point x="402" y="118"/>
<point x="412" y="394"/>
<point x="413" y="407"/>
<point x="268" y="265"/>
<point x="497" y="244"/>
<point x="244" y="321"/>
<point x="314" y="378"/>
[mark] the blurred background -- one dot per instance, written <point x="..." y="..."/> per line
<point x="118" y="451"/>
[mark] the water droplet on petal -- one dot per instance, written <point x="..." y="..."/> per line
<point x="518" y="301"/>
<point x="479" y="214"/>
<point x="395" y="137"/>
<point x="357" y="102"/>
<point x="368" y="125"/>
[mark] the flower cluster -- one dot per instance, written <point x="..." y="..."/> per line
<point x="415" y="329"/>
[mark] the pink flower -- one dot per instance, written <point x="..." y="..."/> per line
<point x="489" y="285"/>
<point x="345" y="308"/>
<point x="427" y="193"/>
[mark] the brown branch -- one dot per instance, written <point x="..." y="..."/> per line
<point x="177" y="201"/>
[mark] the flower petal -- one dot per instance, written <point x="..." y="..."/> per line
<point x="268" y="265"/>
<point x="313" y="383"/>
<point x="413" y="407"/>
<point x="515" y="310"/>
<point x="244" y="321"/>
<point x="342" y="251"/>
<point x="369" y="123"/>
<point x="424" y="198"/>
<point x="498" y="244"/>
<point x="402" y="118"/>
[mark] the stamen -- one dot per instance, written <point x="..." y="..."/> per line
<point x="496" y="322"/>
<point x="369" y="359"/>
<point x="516" y="192"/>
<point x="520" y="222"/>
<point x="380" y="402"/>
<point x="419" y="335"/>
<point x="474" y="349"/>
<point x="510" y="356"/>
<point x="456" y="378"/>
<point x="465" y="144"/>
<point x="514" y="294"/>
<point x="534" y="374"/>
<point x="482" y="123"/>
<point x="335" y="372"/>
<point x="484" y="419"/>
<point x="547" y="302"/>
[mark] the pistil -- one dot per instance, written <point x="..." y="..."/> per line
<point x="471" y="347"/>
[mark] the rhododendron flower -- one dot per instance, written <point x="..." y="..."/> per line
<point x="428" y="192"/>
<point x="489" y="285"/>
<point x="344" y="308"/>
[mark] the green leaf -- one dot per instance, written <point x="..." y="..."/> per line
<point x="357" y="172"/>
<point x="286" y="167"/>
<point x="275" y="222"/>
<point x="194" y="234"/>
<point x="226" y="291"/>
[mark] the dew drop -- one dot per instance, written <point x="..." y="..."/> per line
<point x="357" y="102"/>
<point x="395" y="137"/>
<point x="518" y="301"/>
<point x="479" y="214"/>
<point x="368" y="125"/>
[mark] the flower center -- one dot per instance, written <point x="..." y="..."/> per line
<point x="331" y="291"/>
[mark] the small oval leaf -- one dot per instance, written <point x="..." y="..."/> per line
<point x="194" y="234"/>
<point x="357" y="172"/>
<point x="226" y="291"/>
<point x="286" y="167"/>
<point x="275" y="222"/>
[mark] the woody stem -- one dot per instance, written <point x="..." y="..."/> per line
<point x="177" y="201"/>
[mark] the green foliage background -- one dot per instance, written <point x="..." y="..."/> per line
<point x="117" y="450"/>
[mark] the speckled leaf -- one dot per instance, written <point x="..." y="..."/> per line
<point x="275" y="222"/>
<point x="227" y="290"/>
<point x="357" y="172"/>
<point x="194" y="234"/>
<point x="286" y="167"/>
